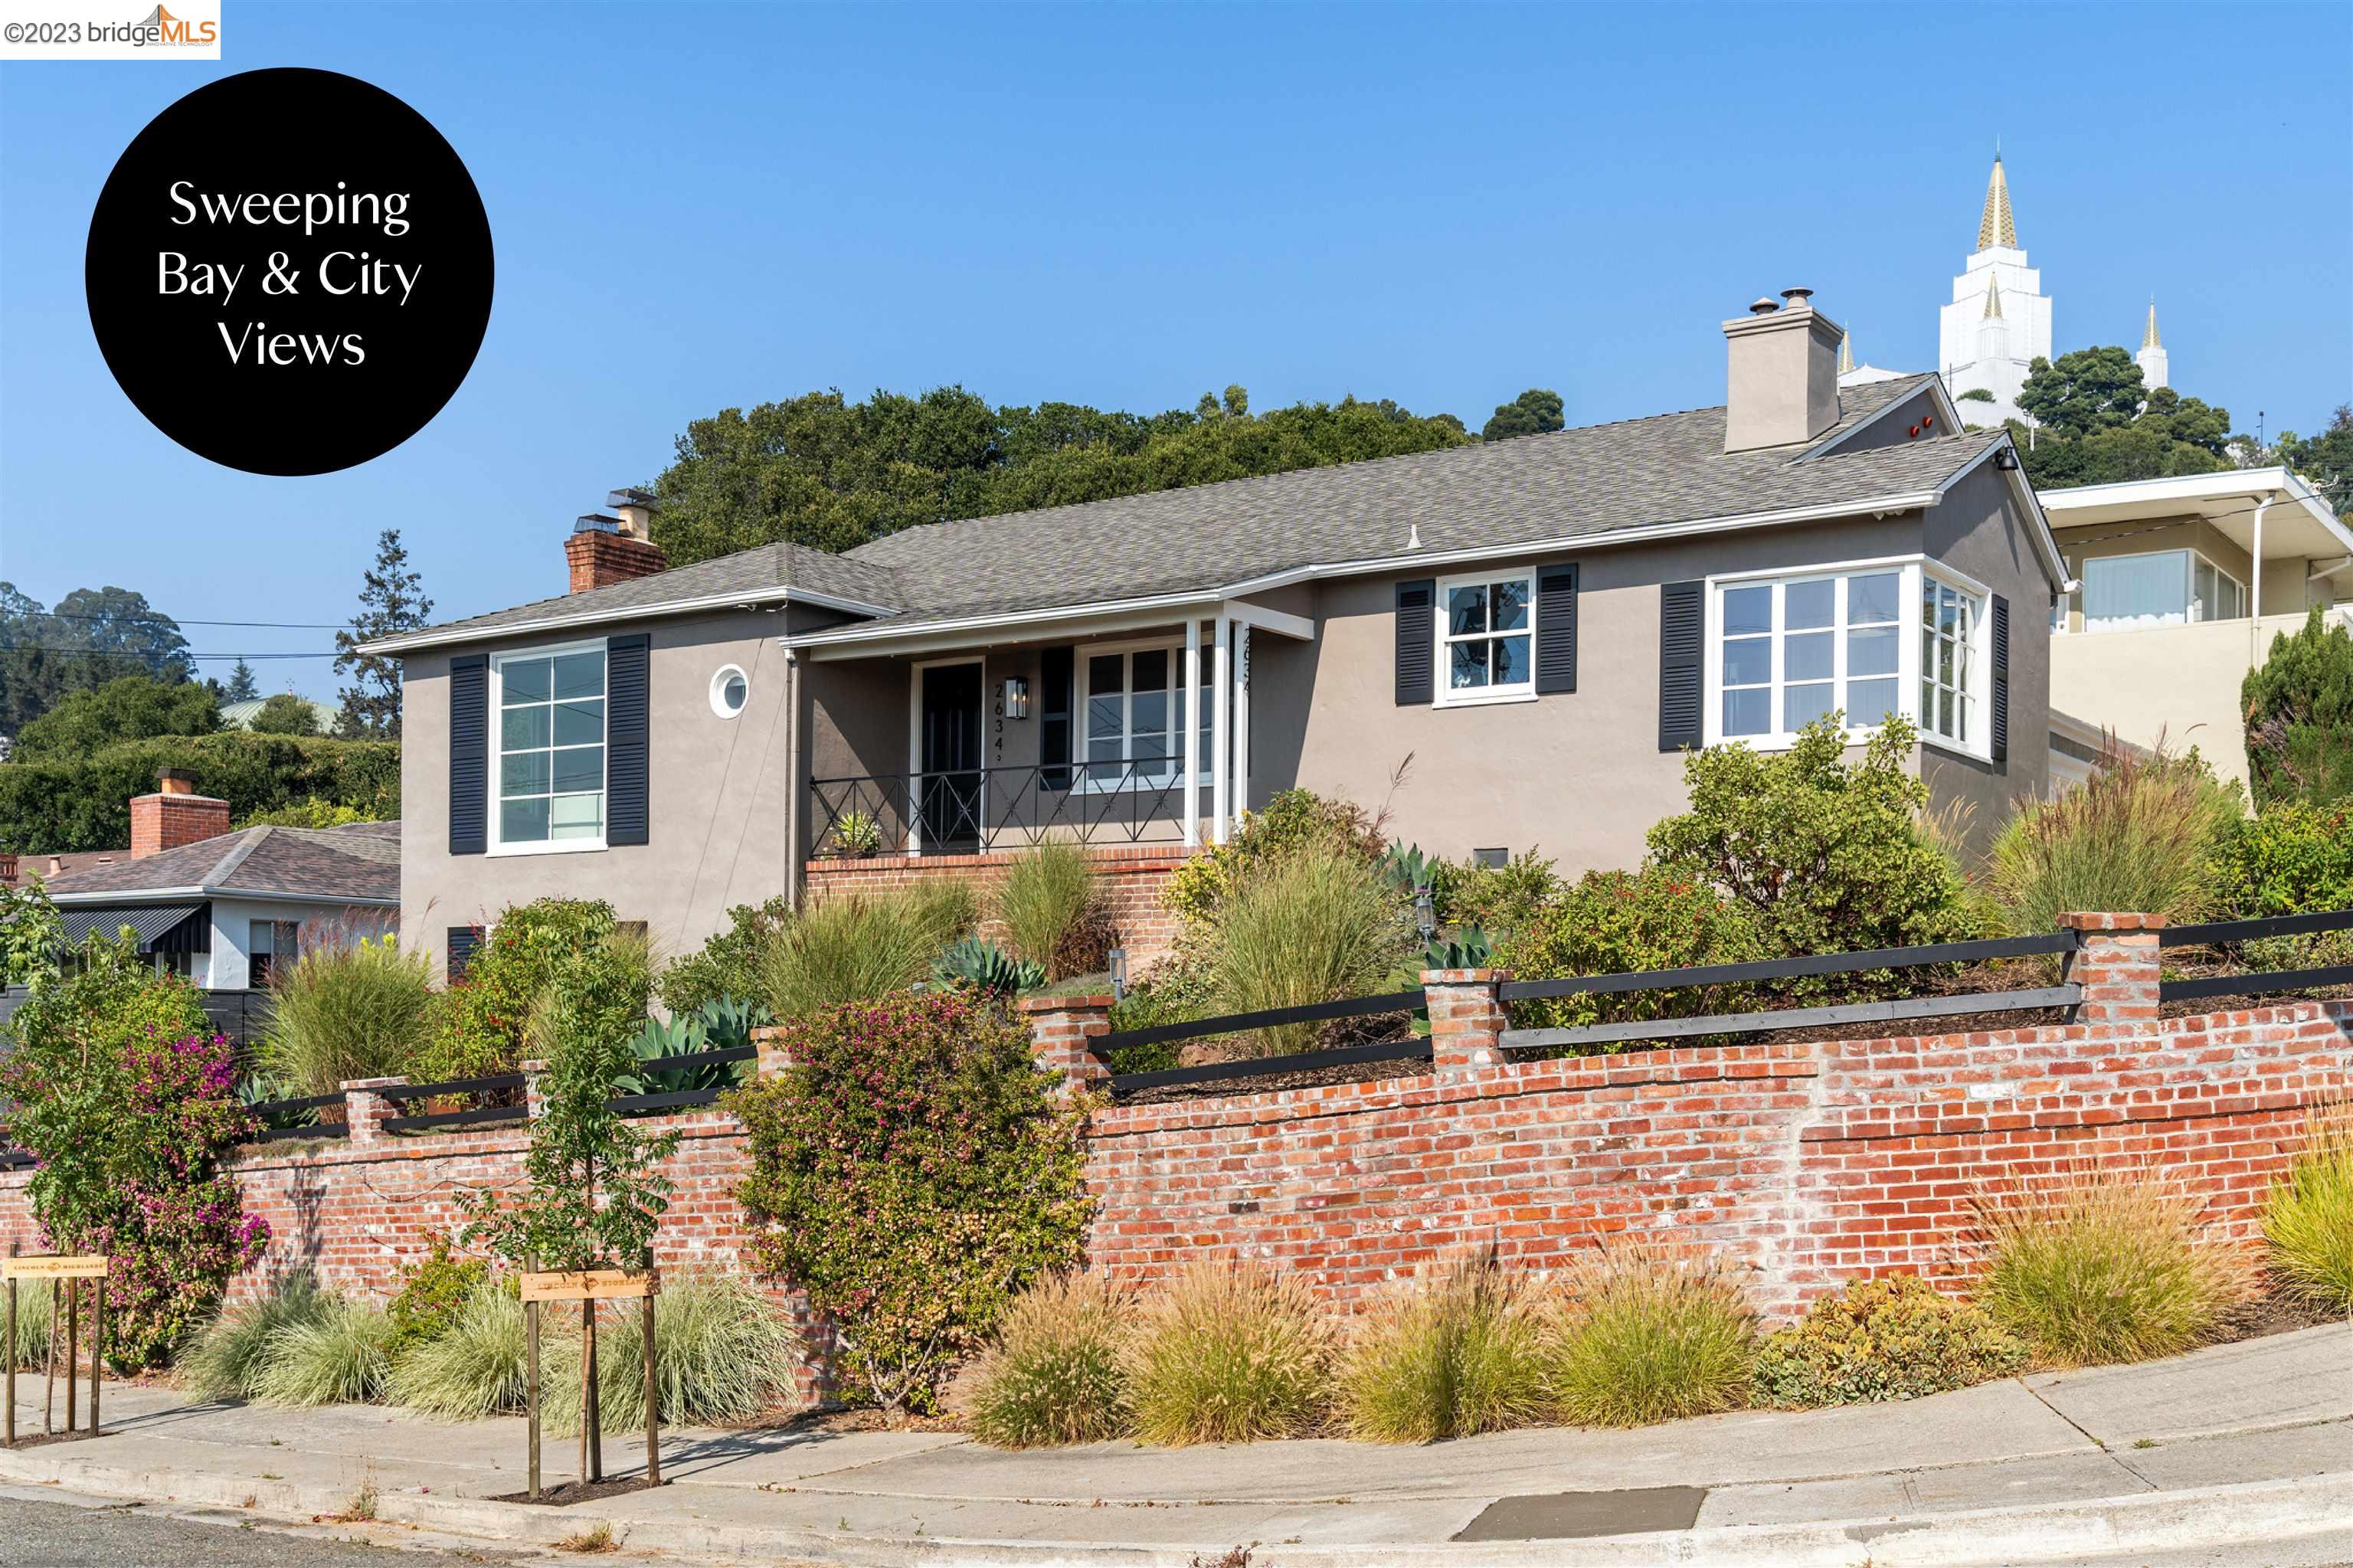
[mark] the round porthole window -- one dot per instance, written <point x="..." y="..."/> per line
<point x="730" y="690"/>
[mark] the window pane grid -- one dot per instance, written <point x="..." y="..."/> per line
<point x="1485" y="635"/>
<point x="1947" y="647"/>
<point x="1134" y="711"/>
<point x="1795" y="650"/>
<point x="552" y="749"/>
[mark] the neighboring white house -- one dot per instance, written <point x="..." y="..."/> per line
<point x="2182" y="585"/>
<point x="239" y="715"/>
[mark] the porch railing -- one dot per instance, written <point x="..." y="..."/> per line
<point x="1133" y="802"/>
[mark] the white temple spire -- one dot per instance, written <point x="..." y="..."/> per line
<point x="2155" y="371"/>
<point x="1995" y="226"/>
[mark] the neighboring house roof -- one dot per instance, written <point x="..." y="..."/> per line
<point x="355" y="865"/>
<point x="31" y="866"/>
<point x="1597" y="484"/>
<point x="239" y="715"/>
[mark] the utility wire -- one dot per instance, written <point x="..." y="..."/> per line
<point x="143" y="655"/>
<point x="157" y="615"/>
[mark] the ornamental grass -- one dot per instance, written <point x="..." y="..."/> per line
<point x="2308" y="1216"/>
<point x="32" y="1347"/>
<point x="341" y="1355"/>
<point x="351" y="1009"/>
<point x="1458" y="1351"/>
<point x="474" y="1367"/>
<point x="723" y="1352"/>
<point x="1045" y="899"/>
<point x="1305" y="928"/>
<point x="227" y="1357"/>
<point x="1649" y="1332"/>
<point x="857" y="948"/>
<point x="2100" y="1263"/>
<point x="2140" y="833"/>
<point x="1229" y="1353"/>
<point x="1057" y="1371"/>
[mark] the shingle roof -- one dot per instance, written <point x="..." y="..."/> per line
<point x="362" y="860"/>
<point x="1578" y="484"/>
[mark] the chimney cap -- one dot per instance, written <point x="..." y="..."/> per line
<point x="1763" y="307"/>
<point x="1796" y="298"/>
<point x="596" y="522"/>
<point x="628" y="495"/>
<point x="169" y="777"/>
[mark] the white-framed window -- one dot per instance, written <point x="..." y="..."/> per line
<point x="1486" y="638"/>
<point x="730" y="690"/>
<point x="272" y="947"/>
<point x="2159" y="588"/>
<point x="547" y="779"/>
<point x="1132" y="700"/>
<point x="1784" y="650"/>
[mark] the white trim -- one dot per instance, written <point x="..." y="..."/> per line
<point x="1241" y="685"/>
<point x="915" y="745"/>
<point x="1221" y="805"/>
<point x="1280" y="622"/>
<point x="1442" y="695"/>
<point x="719" y="684"/>
<point x="1192" y="733"/>
<point x="1929" y="381"/>
<point x="744" y="598"/>
<point x="70" y="900"/>
<point x="493" y="843"/>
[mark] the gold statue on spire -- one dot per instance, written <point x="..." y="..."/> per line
<point x="1996" y="227"/>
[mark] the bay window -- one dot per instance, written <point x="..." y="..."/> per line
<point x="1785" y="650"/>
<point x="549" y="737"/>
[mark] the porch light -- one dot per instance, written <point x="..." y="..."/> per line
<point x="1115" y="960"/>
<point x="1017" y="696"/>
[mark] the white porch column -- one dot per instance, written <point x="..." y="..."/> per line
<point x="1242" y="716"/>
<point x="1192" y="733"/>
<point x="2255" y="589"/>
<point x="1222" y="702"/>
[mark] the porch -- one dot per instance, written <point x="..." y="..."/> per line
<point x="1131" y="737"/>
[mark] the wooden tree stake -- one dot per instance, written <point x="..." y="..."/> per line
<point x="12" y="1352"/>
<point x="592" y="1436"/>
<point x="97" y="1347"/>
<point x="653" y="1388"/>
<point x="531" y="1379"/>
<point x="73" y="1345"/>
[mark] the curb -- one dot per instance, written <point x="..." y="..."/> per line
<point x="2207" y="1517"/>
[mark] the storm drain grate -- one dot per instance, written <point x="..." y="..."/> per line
<point x="1562" y="1516"/>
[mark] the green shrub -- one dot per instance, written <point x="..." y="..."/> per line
<point x="1046" y="899"/>
<point x="2299" y="715"/>
<point x="1057" y="1372"/>
<point x="84" y="803"/>
<point x="2141" y="834"/>
<point x="1309" y="927"/>
<point x="1882" y="1338"/>
<point x="1618" y="922"/>
<point x="476" y="1027"/>
<point x="987" y="968"/>
<point x="727" y="966"/>
<point x="723" y="1352"/>
<point x="2308" y="1215"/>
<point x="723" y="1024"/>
<point x="339" y="1356"/>
<point x="1295" y="823"/>
<point x="1501" y="900"/>
<point x="355" y="1009"/>
<point x="1828" y="855"/>
<point x="1649" y="1334"/>
<point x="1459" y="1351"/>
<point x="474" y="1368"/>
<point x="857" y="947"/>
<point x="227" y="1357"/>
<point x="911" y="1173"/>
<point x="1229" y="1353"/>
<point x="31" y="1348"/>
<point x="2102" y="1265"/>
<point x="433" y="1291"/>
<point x="2292" y="858"/>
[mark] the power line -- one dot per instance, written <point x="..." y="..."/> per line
<point x="157" y="615"/>
<point x="144" y="657"/>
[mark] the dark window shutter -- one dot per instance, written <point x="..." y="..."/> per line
<point x="1683" y="648"/>
<point x="1557" y="628"/>
<point x="626" y="661"/>
<point x="1054" y="698"/>
<point x="463" y="940"/>
<point x="470" y="753"/>
<point x="1416" y="635"/>
<point x="2000" y="681"/>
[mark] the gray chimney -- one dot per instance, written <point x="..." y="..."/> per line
<point x="1781" y="386"/>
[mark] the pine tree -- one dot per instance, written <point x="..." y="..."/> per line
<point x="241" y="687"/>
<point x="392" y="601"/>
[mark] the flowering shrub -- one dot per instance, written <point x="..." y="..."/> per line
<point x="1295" y="821"/>
<point x="129" y="1104"/>
<point x="911" y="1173"/>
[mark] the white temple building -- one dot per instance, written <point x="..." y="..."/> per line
<point x="2151" y="357"/>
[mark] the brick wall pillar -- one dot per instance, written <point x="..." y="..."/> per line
<point x="2116" y="966"/>
<point x="772" y="1043"/>
<point x="364" y="1109"/>
<point x="1063" y="1029"/>
<point x="534" y="1096"/>
<point x="1466" y="1015"/>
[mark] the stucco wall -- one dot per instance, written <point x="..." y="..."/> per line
<point x="2175" y="683"/>
<point x="1975" y="531"/>
<point x="233" y="930"/>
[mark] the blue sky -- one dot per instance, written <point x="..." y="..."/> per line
<point x="696" y="206"/>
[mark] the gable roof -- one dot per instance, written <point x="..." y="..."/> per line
<point x="355" y="865"/>
<point x="1568" y="487"/>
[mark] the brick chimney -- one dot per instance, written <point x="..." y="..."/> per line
<point x="605" y="550"/>
<point x="1782" y="383"/>
<point x="174" y="815"/>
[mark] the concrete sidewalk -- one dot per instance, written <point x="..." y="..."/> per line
<point x="2234" y="1446"/>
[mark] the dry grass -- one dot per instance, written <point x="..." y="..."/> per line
<point x="2098" y="1263"/>
<point x="2308" y="1216"/>
<point x="1058" y="1370"/>
<point x="1229" y="1353"/>
<point x="473" y="1369"/>
<point x="1460" y="1351"/>
<point x="1650" y="1333"/>
<point x="857" y="948"/>
<point x="595" y="1539"/>
<point x="342" y="1356"/>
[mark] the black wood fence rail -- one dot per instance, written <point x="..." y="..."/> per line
<point x="1268" y="1066"/>
<point x="2230" y="934"/>
<point x="1872" y="960"/>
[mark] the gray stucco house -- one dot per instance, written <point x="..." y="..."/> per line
<point x="1541" y="624"/>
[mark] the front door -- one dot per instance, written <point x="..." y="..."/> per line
<point x="948" y="792"/>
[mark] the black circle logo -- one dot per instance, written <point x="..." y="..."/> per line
<point x="289" y="271"/>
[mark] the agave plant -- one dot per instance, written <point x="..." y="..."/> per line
<point x="988" y="967"/>
<point x="259" y="1088"/>
<point x="857" y="834"/>
<point x="1407" y="869"/>
<point x="723" y="1023"/>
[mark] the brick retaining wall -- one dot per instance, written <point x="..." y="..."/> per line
<point x="1128" y="880"/>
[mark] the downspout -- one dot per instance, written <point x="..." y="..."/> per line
<point x="2255" y="588"/>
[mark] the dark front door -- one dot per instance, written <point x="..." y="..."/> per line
<point x="950" y="789"/>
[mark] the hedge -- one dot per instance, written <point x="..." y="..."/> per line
<point x="84" y="803"/>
